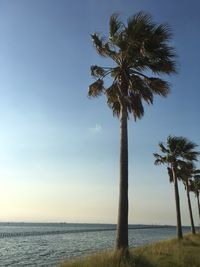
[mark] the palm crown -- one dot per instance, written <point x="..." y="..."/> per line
<point x="176" y="150"/>
<point x="195" y="183"/>
<point x="187" y="171"/>
<point x="138" y="48"/>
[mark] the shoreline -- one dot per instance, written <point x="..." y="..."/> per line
<point x="166" y="253"/>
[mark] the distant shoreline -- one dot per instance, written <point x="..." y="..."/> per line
<point x="82" y="223"/>
<point x="35" y="233"/>
<point x="75" y="228"/>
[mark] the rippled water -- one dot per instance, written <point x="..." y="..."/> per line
<point x="47" y="245"/>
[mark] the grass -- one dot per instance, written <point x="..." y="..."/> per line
<point x="169" y="253"/>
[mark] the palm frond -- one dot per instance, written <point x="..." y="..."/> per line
<point x="139" y="25"/>
<point x="96" y="88"/>
<point x="135" y="106"/>
<point x="115" y="72"/>
<point x="98" y="43"/>
<point x="159" y="159"/>
<point x="163" y="148"/>
<point x="146" y="95"/>
<point x="191" y="156"/>
<point x="103" y="48"/>
<point x="196" y="171"/>
<point x="97" y="71"/>
<point x="115" y="26"/>
<point x="114" y="105"/>
<point x="163" y="32"/>
<point x="138" y="86"/>
<point x="163" y="66"/>
<point x="169" y="170"/>
<point x="188" y="145"/>
<point x="158" y="86"/>
<point x="112" y="98"/>
<point x="172" y="143"/>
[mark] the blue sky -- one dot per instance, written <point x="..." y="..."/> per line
<point x="59" y="150"/>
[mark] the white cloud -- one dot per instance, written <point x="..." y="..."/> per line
<point x="97" y="129"/>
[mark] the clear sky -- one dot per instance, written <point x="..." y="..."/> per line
<point x="59" y="151"/>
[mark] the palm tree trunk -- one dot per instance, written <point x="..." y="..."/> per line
<point x="122" y="226"/>
<point x="177" y="200"/>
<point x="198" y="204"/>
<point x="190" y="207"/>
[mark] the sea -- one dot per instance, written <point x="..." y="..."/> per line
<point x="49" y="244"/>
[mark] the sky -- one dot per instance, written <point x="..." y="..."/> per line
<point x="59" y="156"/>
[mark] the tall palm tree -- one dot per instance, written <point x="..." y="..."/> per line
<point x="174" y="152"/>
<point x="138" y="49"/>
<point x="195" y="187"/>
<point x="186" y="172"/>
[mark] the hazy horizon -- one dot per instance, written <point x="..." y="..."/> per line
<point x="97" y="223"/>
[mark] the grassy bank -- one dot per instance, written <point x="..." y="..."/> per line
<point x="169" y="253"/>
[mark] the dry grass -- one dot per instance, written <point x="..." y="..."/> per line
<point x="170" y="253"/>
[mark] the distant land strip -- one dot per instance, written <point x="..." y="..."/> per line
<point x="39" y="233"/>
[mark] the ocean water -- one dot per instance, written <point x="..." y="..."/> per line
<point x="48" y="244"/>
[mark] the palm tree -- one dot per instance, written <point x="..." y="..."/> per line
<point x="136" y="49"/>
<point x="174" y="152"/>
<point x="185" y="173"/>
<point x="195" y="187"/>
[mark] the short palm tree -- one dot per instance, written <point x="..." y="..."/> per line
<point x="138" y="49"/>
<point x="186" y="172"/>
<point x="174" y="152"/>
<point x="195" y="187"/>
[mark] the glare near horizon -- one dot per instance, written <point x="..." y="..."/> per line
<point x="60" y="150"/>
